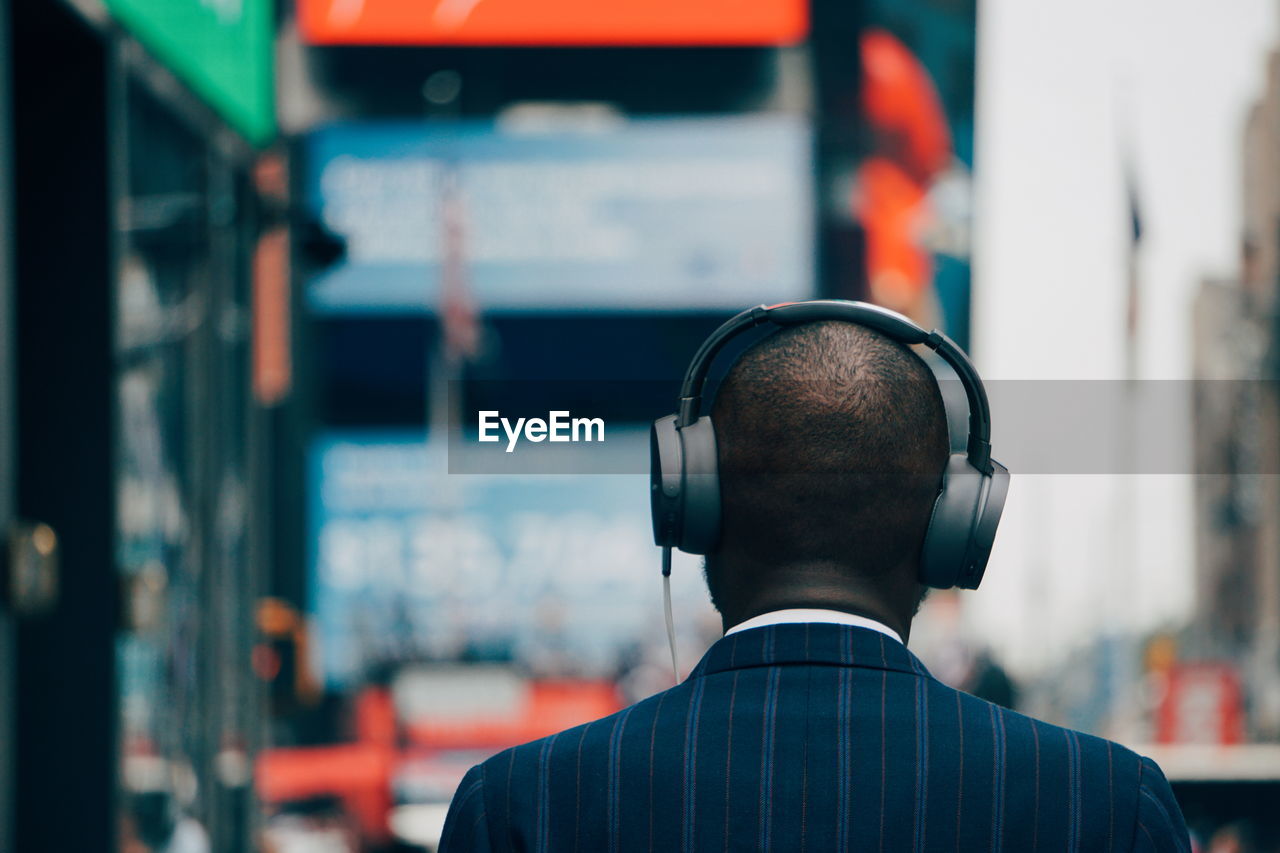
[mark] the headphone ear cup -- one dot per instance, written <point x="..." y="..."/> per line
<point x="700" y="488"/>
<point x="962" y="527"/>
<point x="666" y="472"/>
<point x="985" y="525"/>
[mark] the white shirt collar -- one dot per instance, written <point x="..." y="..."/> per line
<point x="799" y="614"/>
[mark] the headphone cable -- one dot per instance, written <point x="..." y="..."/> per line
<point x="666" y="607"/>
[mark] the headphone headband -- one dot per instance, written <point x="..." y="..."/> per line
<point x="889" y="323"/>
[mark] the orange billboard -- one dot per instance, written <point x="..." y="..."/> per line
<point x="553" y="22"/>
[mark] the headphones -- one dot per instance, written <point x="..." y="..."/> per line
<point x="684" y="480"/>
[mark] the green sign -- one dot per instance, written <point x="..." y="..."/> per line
<point x="221" y="48"/>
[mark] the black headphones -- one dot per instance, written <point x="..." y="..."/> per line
<point x="684" y="481"/>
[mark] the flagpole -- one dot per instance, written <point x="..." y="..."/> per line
<point x="1126" y="692"/>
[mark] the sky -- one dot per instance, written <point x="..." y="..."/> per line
<point x="1067" y="93"/>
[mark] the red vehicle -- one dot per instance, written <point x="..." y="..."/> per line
<point x="415" y="739"/>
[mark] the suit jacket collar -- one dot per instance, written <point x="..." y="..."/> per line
<point x="821" y="643"/>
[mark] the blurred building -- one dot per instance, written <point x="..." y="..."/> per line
<point x="134" y="427"/>
<point x="1236" y="351"/>
<point x="248" y="250"/>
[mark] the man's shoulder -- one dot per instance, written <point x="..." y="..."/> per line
<point x="1043" y="754"/>
<point x="1098" y="778"/>
<point x="1043" y="738"/>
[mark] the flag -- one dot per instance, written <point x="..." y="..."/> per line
<point x="459" y="318"/>
<point x="1135" y="241"/>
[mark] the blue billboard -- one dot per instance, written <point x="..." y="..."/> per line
<point x="658" y="213"/>
<point x="557" y="574"/>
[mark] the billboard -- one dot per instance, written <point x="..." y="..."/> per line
<point x="222" y="49"/>
<point x="661" y="213"/>
<point x="555" y="573"/>
<point x="913" y="195"/>
<point x="554" y="22"/>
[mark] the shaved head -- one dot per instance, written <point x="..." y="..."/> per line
<point x="832" y="440"/>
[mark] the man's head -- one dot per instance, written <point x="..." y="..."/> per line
<point x="832" y="441"/>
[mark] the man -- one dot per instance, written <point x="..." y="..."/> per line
<point x="809" y="726"/>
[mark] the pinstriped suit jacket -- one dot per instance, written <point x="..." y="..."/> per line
<point x="816" y="737"/>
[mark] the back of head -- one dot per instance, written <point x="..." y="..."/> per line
<point x="832" y="442"/>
